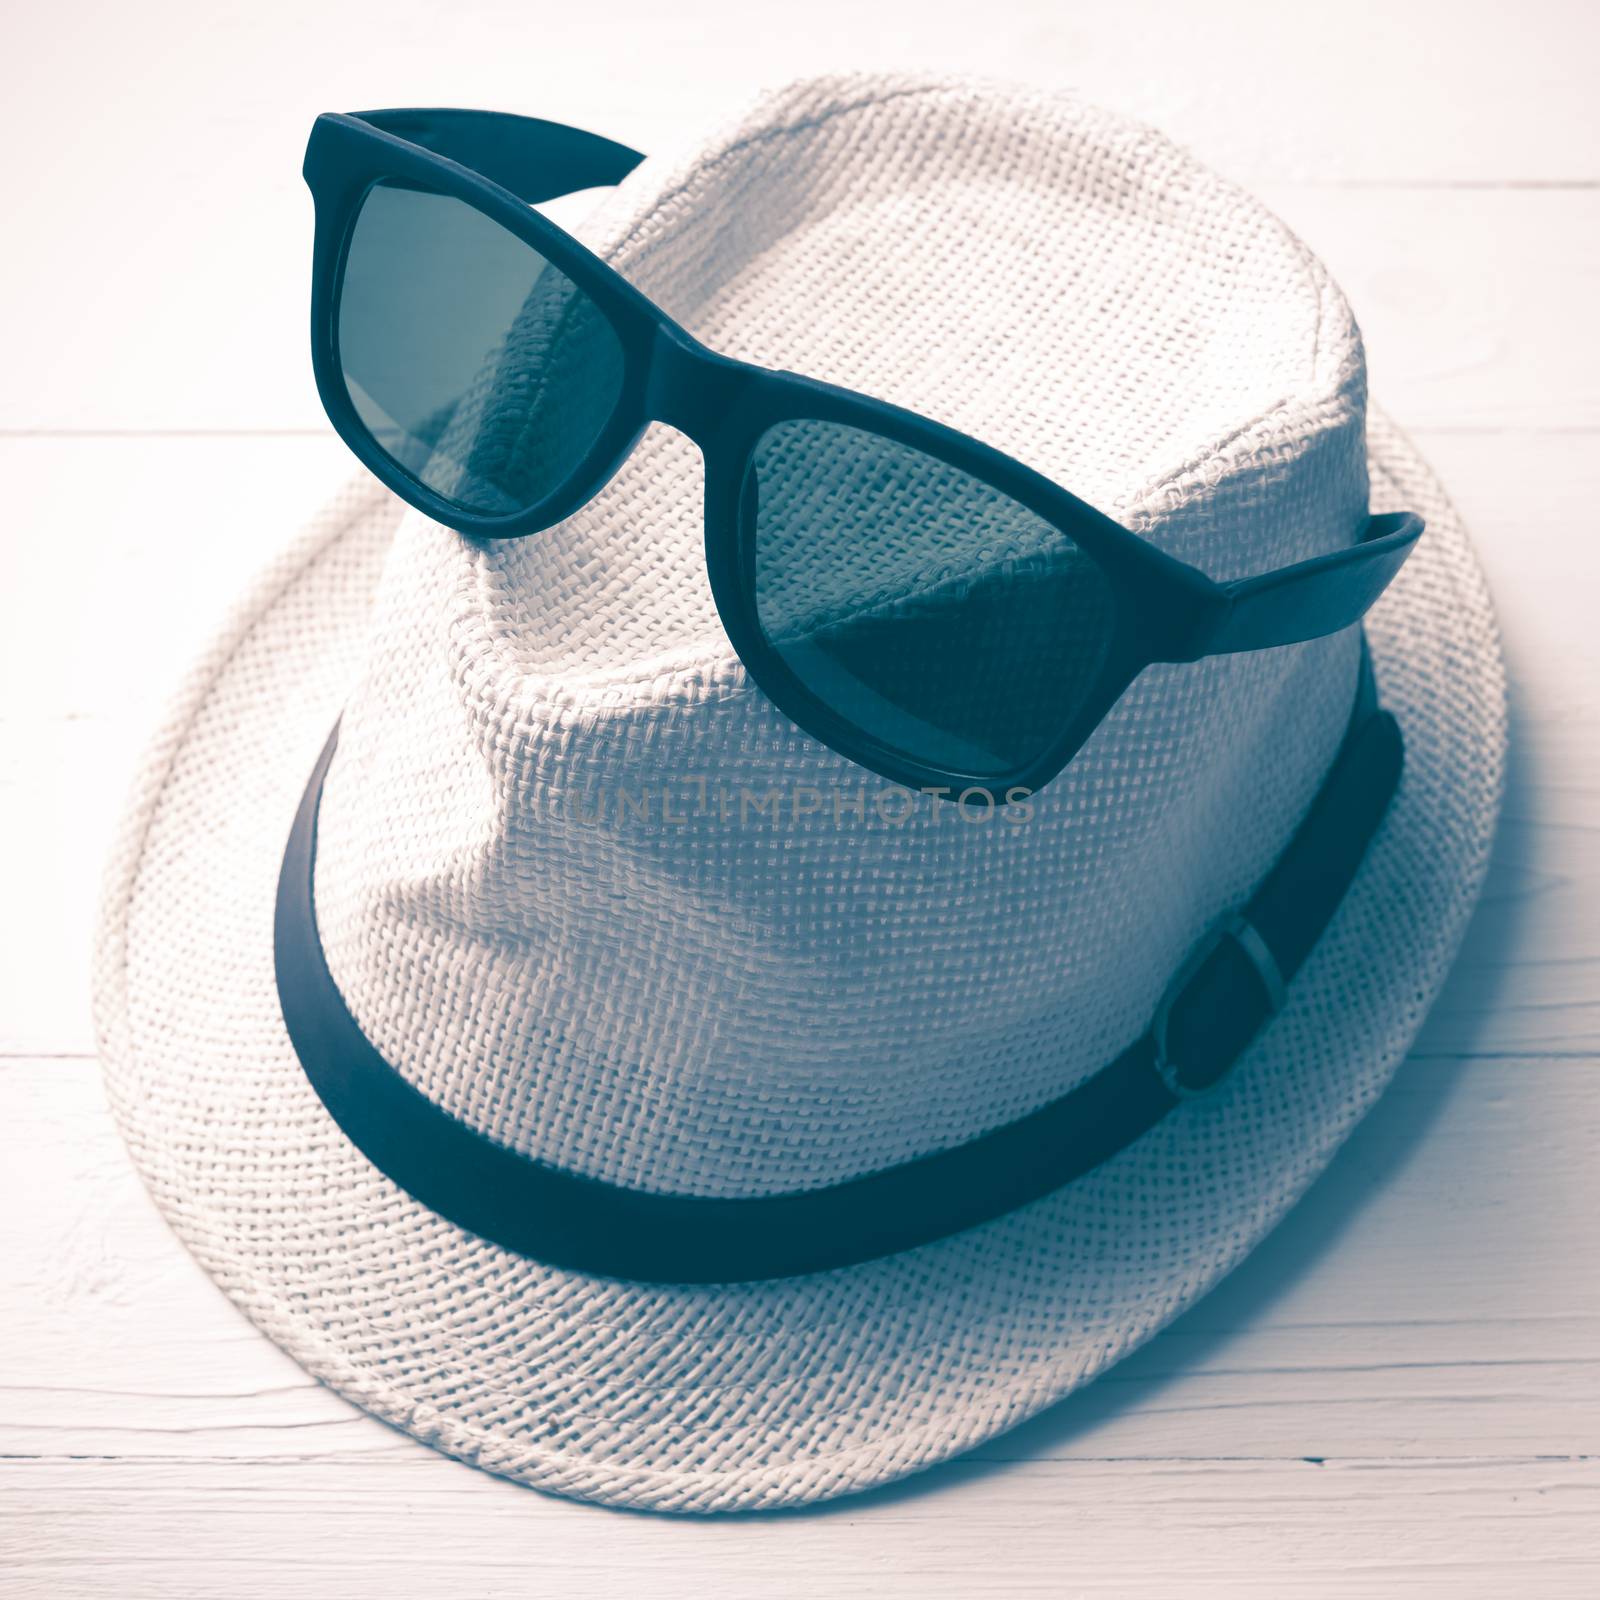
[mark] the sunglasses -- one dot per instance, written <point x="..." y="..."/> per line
<point x="927" y="606"/>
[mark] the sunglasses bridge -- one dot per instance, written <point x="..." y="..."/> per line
<point x="691" y="388"/>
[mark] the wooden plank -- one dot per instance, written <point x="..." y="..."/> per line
<point x="1424" y="91"/>
<point x="1528" y="976"/>
<point x="1438" y="1294"/>
<point x="257" y="1530"/>
<point x="82" y="679"/>
<point x="126" y="554"/>
<point x="1476" y="305"/>
<point x="129" y="553"/>
<point x="1478" y="299"/>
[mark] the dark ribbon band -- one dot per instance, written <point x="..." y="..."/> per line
<point x="1215" y="1006"/>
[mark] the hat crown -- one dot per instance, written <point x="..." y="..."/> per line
<point x="593" y="894"/>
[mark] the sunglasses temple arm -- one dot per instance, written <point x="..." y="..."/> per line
<point x="535" y="160"/>
<point x="1313" y="598"/>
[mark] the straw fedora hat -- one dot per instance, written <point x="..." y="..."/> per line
<point x="546" y="899"/>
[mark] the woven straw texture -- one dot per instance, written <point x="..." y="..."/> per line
<point x="744" y="1000"/>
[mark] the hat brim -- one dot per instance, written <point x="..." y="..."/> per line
<point x="752" y="1395"/>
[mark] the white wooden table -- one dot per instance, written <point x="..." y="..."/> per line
<point x="1399" y="1394"/>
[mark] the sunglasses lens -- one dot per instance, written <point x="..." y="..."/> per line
<point x="929" y="611"/>
<point x="475" y="365"/>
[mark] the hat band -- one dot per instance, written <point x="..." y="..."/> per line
<point x="1218" y="1001"/>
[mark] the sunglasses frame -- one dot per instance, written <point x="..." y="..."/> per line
<point x="1165" y="610"/>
